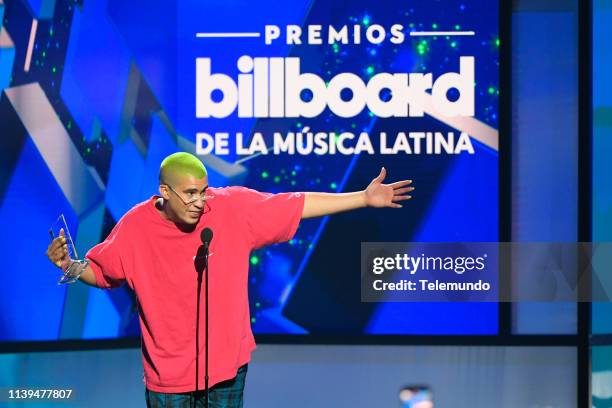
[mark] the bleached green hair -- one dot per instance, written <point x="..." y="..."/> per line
<point x="178" y="165"/>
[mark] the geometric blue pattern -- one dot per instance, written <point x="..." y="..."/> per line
<point x="35" y="314"/>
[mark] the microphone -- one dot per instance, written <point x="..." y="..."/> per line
<point x="206" y="236"/>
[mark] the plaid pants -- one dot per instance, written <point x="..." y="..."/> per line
<point x="226" y="394"/>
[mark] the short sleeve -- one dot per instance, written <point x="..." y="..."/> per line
<point x="270" y="218"/>
<point x="106" y="260"/>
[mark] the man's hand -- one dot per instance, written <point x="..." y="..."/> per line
<point x="57" y="252"/>
<point x="387" y="195"/>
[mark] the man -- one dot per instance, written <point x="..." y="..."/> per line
<point x="153" y="248"/>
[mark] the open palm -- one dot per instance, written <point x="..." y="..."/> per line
<point x="387" y="195"/>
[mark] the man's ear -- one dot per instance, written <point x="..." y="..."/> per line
<point x="163" y="191"/>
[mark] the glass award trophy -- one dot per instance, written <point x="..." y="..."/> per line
<point x="77" y="266"/>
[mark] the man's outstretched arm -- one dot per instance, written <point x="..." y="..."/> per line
<point x="376" y="194"/>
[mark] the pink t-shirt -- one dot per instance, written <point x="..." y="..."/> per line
<point x="156" y="259"/>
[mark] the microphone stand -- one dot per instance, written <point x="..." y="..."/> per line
<point x="205" y="328"/>
<point x="206" y="324"/>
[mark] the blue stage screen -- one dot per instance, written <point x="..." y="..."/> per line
<point x="96" y="93"/>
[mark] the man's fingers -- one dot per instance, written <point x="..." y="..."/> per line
<point x="57" y="251"/>
<point x="53" y="246"/>
<point x="401" y="198"/>
<point x="381" y="176"/>
<point x="399" y="184"/>
<point x="58" y="254"/>
<point x="56" y="243"/>
<point x="401" y="191"/>
<point x="55" y="259"/>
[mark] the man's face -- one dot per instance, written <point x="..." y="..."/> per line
<point x="183" y="196"/>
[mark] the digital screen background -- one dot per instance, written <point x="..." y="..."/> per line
<point x="119" y="79"/>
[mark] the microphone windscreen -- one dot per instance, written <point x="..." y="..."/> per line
<point x="206" y="235"/>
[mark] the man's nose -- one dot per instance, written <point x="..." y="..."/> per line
<point x="199" y="204"/>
